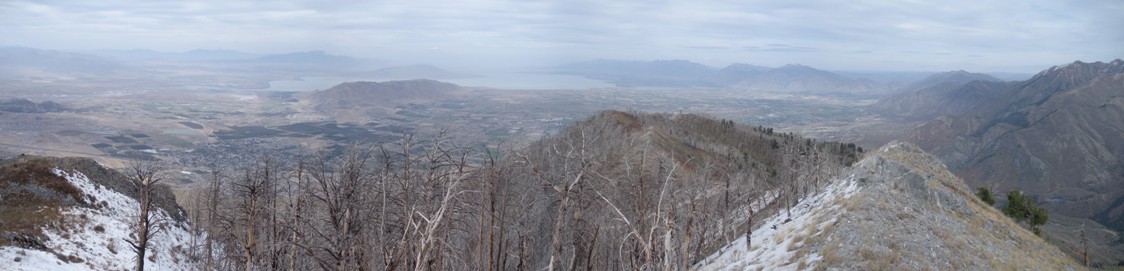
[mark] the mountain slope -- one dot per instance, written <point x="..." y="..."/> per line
<point x="1058" y="136"/>
<point x="897" y="209"/>
<point x="942" y="99"/>
<point x="56" y="217"/>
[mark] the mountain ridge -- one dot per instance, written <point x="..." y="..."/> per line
<point x="896" y="209"/>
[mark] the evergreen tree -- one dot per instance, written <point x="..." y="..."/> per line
<point x="1022" y="208"/>
<point x="985" y="195"/>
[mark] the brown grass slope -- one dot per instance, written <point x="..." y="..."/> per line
<point x="911" y="213"/>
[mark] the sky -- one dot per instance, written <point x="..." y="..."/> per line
<point x="856" y="35"/>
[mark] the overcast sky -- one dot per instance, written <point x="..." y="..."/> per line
<point x="976" y="35"/>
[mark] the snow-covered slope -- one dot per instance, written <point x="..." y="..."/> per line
<point x="93" y="238"/>
<point x="897" y="209"/>
<point x="775" y="245"/>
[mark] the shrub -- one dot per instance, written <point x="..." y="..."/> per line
<point x="1022" y="208"/>
<point x="985" y="195"/>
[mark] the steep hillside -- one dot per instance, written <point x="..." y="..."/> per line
<point x="897" y="209"/>
<point x="1058" y="136"/>
<point x="57" y="217"/>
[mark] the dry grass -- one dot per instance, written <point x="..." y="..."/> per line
<point x="37" y="172"/>
<point x="796" y="243"/>
<point x="28" y="220"/>
<point x="852" y="204"/>
<point x="830" y="254"/>
<point x="26" y="212"/>
<point x="878" y="259"/>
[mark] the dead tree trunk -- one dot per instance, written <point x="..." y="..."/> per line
<point x="145" y="177"/>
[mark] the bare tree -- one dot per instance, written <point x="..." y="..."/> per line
<point x="563" y="181"/>
<point x="338" y="190"/>
<point x="145" y="176"/>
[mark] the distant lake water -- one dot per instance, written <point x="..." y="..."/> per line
<point x="532" y="81"/>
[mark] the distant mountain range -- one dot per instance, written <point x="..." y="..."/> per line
<point x="1058" y="136"/>
<point x="659" y="73"/>
<point x="14" y="58"/>
<point x="796" y="77"/>
<point x="939" y="94"/>
<point x="956" y="77"/>
<point x="193" y="55"/>
<point x="682" y="73"/>
<point x="413" y="72"/>
<point x="21" y="63"/>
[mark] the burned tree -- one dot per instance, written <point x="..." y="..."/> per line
<point x="145" y="176"/>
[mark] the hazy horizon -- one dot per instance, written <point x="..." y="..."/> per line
<point x="1005" y="36"/>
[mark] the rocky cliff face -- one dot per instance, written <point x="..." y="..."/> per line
<point x="897" y="209"/>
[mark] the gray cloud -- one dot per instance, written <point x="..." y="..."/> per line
<point x="862" y="34"/>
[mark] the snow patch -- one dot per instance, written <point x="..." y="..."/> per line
<point x="97" y="236"/>
<point x="776" y="243"/>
